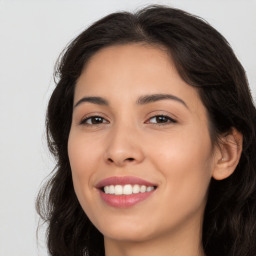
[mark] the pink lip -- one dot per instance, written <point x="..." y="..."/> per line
<point x="124" y="201"/>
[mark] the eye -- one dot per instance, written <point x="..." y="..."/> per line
<point x="161" y="119"/>
<point x="93" y="120"/>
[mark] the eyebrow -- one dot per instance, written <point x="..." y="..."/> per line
<point x="157" y="97"/>
<point x="94" y="100"/>
<point x="142" y="100"/>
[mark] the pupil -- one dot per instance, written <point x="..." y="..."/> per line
<point x="161" y="119"/>
<point x="97" y="120"/>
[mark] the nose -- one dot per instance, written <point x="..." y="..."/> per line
<point x="124" y="147"/>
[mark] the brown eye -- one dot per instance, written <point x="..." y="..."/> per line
<point x="161" y="119"/>
<point x="94" y="120"/>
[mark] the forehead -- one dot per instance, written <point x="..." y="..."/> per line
<point x="134" y="57"/>
<point x="129" y="71"/>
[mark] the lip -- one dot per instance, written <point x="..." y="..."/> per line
<point x="124" y="201"/>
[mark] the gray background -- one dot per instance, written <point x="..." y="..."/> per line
<point x="32" y="34"/>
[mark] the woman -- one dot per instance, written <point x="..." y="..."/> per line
<point x="153" y="128"/>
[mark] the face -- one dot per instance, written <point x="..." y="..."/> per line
<point x="140" y="133"/>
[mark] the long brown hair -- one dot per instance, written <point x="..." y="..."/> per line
<point x="204" y="60"/>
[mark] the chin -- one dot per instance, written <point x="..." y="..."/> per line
<point x="127" y="232"/>
<point x="124" y="236"/>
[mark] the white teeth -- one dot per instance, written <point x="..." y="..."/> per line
<point x="118" y="190"/>
<point x="143" y="189"/>
<point x="135" y="189"/>
<point x="150" y="189"/>
<point x="111" y="189"/>
<point x="106" y="189"/>
<point x="127" y="189"/>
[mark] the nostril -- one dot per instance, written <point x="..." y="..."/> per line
<point x="120" y="161"/>
<point x="130" y="159"/>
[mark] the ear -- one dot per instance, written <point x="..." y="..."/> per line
<point x="228" y="154"/>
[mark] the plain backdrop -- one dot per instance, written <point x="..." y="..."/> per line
<point x="32" y="34"/>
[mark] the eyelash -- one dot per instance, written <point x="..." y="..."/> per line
<point x="83" y="122"/>
<point x="168" y="120"/>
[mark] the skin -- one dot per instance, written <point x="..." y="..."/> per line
<point x="177" y="155"/>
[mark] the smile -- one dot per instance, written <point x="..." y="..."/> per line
<point x="123" y="192"/>
<point x="127" y="189"/>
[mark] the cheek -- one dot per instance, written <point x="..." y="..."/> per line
<point x="185" y="161"/>
<point x="83" y="154"/>
<point x="82" y="158"/>
<point x="83" y="161"/>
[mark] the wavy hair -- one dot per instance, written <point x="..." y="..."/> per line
<point x="204" y="60"/>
